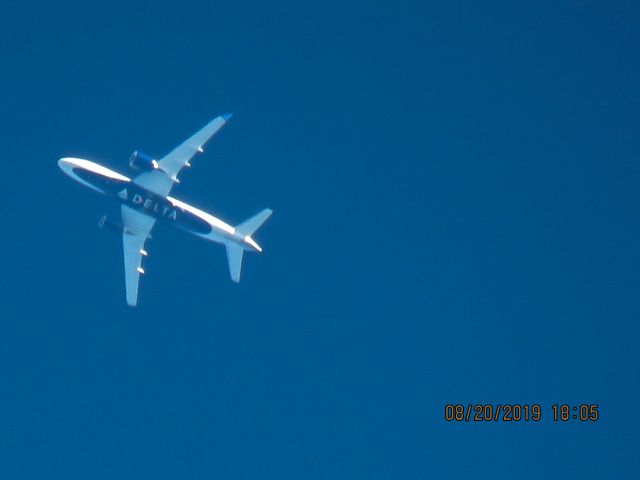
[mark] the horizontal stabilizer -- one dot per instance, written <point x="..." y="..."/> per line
<point x="249" y="226"/>
<point x="234" y="257"/>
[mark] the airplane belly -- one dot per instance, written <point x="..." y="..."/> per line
<point x="101" y="183"/>
<point x="140" y="199"/>
<point x="160" y="208"/>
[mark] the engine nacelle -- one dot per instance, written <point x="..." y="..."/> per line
<point x="142" y="161"/>
<point x="106" y="223"/>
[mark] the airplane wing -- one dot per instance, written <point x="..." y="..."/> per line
<point x="137" y="227"/>
<point x="162" y="179"/>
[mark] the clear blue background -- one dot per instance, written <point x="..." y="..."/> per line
<point x="456" y="189"/>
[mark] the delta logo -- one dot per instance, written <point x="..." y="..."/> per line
<point x="149" y="204"/>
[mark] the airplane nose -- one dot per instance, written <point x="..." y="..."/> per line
<point x="66" y="165"/>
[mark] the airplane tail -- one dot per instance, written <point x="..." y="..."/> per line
<point x="234" y="257"/>
<point x="235" y="251"/>
<point x="249" y="226"/>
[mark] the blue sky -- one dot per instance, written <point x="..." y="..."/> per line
<point x="455" y="189"/>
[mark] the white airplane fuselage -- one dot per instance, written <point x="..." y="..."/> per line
<point x="167" y="208"/>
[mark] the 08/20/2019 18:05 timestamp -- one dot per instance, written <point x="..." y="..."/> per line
<point x="515" y="412"/>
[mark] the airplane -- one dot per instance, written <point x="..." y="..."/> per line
<point x="145" y="199"/>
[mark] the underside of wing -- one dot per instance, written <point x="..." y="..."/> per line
<point x="137" y="227"/>
<point x="132" y="245"/>
<point x="162" y="179"/>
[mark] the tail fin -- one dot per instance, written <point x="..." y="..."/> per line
<point x="235" y="250"/>
<point x="249" y="226"/>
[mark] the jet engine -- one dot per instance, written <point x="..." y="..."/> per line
<point x="142" y="161"/>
